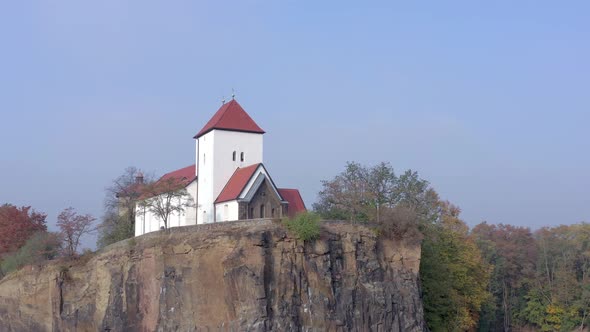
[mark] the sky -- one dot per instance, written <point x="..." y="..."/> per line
<point x="488" y="101"/>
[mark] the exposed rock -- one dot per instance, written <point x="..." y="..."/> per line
<point x="243" y="276"/>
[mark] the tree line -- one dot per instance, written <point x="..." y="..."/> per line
<point x="487" y="278"/>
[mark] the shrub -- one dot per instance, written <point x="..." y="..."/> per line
<point x="114" y="228"/>
<point x="400" y="222"/>
<point x="42" y="246"/>
<point x="305" y="225"/>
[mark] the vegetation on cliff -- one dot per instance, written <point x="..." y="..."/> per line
<point x="453" y="274"/>
<point x="24" y="239"/>
<point x="489" y="278"/>
<point x="306" y="226"/>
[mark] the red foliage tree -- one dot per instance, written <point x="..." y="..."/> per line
<point x="17" y="225"/>
<point x="73" y="226"/>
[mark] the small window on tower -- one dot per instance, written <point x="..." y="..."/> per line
<point x="234" y="156"/>
<point x="203" y="158"/>
<point x="241" y="156"/>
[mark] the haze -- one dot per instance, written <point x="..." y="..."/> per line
<point x="488" y="101"/>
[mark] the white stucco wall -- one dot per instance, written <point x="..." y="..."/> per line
<point x="215" y="164"/>
<point x="227" y="211"/>
<point x="146" y="222"/>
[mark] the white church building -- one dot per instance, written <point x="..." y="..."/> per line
<point x="228" y="181"/>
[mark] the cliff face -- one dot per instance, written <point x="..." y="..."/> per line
<point x="243" y="276"/>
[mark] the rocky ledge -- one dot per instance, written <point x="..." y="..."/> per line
<point x="240" y="276"/>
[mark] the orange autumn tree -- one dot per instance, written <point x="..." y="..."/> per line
<point x="17" y="225"/>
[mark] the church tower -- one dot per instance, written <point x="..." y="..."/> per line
<point x="231" y="139"/>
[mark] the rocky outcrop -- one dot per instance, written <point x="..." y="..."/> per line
<point x="242" y="276"/>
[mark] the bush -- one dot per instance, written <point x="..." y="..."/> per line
<point x="305" y="225"/>
<point x="42" y="246"/>
<point x="114" y="228"/>
<point x="400" y="222"/>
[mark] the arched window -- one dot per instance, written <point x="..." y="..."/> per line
<point x="241" y="156"/>
<point x="233" y="157"/>
<point x="203" y="159"/>
<point x="262" y="211"/>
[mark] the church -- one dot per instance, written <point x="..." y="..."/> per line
<point x="228" y="181"/>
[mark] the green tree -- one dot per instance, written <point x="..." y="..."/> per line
<point x="453" y="274"/>
<point x="345" y="196"/>
<point x="40" y="247"/>
<point x="118" y="220"/>
<point x="512" y="253"/>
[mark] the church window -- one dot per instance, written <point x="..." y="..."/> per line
<point x="272" y="212"/>
<point x="242" y="156"/>
<point x="251" y="216"/>
<point x="226" y="212"/>
<point x="203" y="158"/>
<point x="262" y="211"/>
<point x="234" y="156"/>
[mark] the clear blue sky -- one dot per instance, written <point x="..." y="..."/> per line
<point x="489" y="101"/>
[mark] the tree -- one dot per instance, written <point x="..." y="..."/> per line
<point x="381" y="187"/>
<point x="113" y="228"/>
<point x="362" y="193"/>
<point x="17" y="225"/>
<point x="560" y="296"/>
<point x="345" y="196"/>
<point x="118" y="221"/>
<point x="40" y="247"/>
<point x="453" y="274"/>
<point x="165" y="197"/>
<point x="512" y="253"/>
<point x="73" y="226"/>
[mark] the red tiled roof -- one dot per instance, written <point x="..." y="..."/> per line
<point x="296" y="204"/>
<point x="236" y="183"/>
<point x="181" y="177"/>
<point x="186" y="174"/>
<point x="231" y="116"/>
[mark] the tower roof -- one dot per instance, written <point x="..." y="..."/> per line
<point x="231" y="116"/>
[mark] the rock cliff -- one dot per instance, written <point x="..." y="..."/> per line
<point x="241" y="276"/>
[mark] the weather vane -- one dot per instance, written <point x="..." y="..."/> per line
<point x="233" y="94"/>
